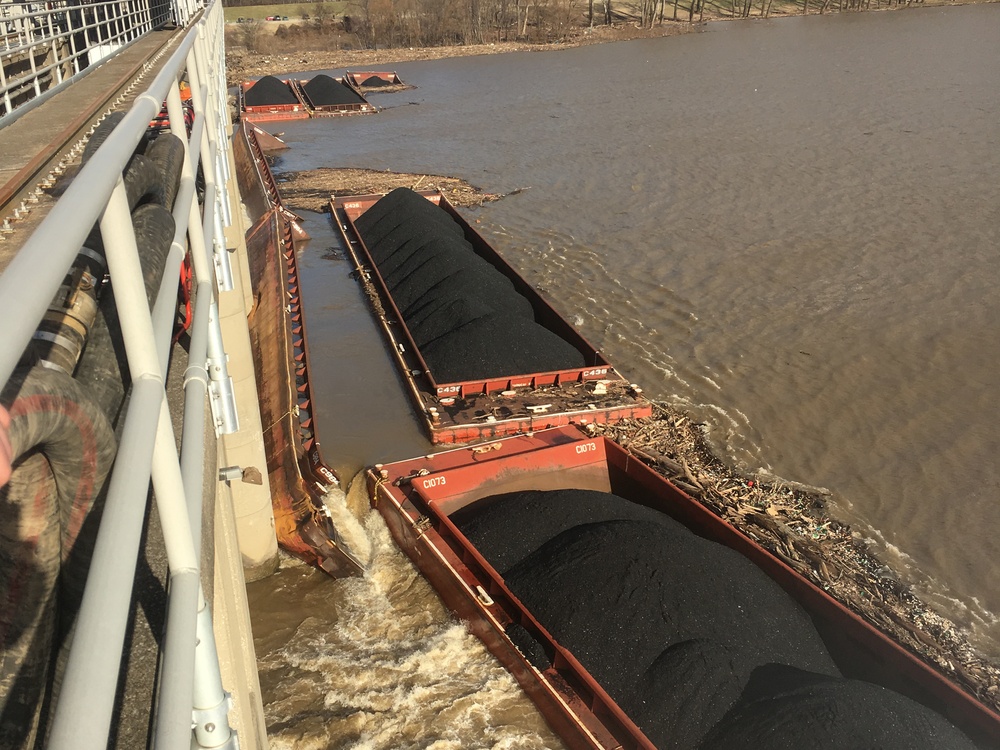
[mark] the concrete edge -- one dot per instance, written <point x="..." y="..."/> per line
<point x="246" y="547"/>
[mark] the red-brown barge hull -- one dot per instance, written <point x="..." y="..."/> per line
<point x="298" y="476"/>
<point x="269" y="112"/>
<point x="417" y="496"/>
<point x="494" y="407"/>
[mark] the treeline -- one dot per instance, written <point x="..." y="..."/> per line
<point x="378" y="24"/>
<point x="247" y="3"/>
<point x="417" y="23"/>
<point x="647" y="13"/>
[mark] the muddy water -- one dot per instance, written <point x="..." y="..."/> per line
<point x="790" y="228"/>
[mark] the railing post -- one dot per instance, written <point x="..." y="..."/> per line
<point x="201" y="70"/>
<point x="211" y="701"/>
<point x="192" y="704"/>
<point x="6" y="94"/>
<point x="83" y="714"/>
<point x="223" y="397"/>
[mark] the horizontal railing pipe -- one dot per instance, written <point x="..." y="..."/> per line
<point x="27" y="286"/>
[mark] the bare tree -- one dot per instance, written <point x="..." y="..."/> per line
<point x="322" y="14"/>
<point x="252" y="34"/>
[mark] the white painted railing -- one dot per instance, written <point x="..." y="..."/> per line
<point x="191" y="701"/>
<point x="44" y="45"/>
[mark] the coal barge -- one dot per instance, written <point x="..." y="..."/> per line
<point x="376" y="81"/>
<point x="841" y="683"/>
<point x="483" y="354"/>
<point x="270" y="99"/>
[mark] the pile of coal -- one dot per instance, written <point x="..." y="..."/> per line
<point x="676" y="628"/>
<point x="324" y="91"/>
<point x="465" y="316"/>
<point x="373" y="82"/>
<point x="783" y="707"/>
<point x="269" y="91"/>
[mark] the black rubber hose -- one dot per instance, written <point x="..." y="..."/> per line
<point x="100" y="134"/>
<point x="63" y="332"/>
<point x="143" y="182"/>
<point x="167" y="152"/>
<point x="143" y="178"/>
<point x="59" y="437"/>
<point x="103" y="368"/>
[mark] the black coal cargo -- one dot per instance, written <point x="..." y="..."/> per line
<point x="465" y="316"/>
<point x="698" y="645"/>
<point x="269" y="92"/>
<point x="397" y="207"/>
<point x="324" y="91"/>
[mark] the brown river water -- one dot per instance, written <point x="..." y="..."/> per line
<point x="789" y="228"/>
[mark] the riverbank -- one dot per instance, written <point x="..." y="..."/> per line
<point x="241" y="64"/>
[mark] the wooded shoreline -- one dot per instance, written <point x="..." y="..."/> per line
<point x="260" y="48"/>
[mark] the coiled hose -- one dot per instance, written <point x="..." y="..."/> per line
<point x="64" y="447"/>
<point x="63" y="444"/>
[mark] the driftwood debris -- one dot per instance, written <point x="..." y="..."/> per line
<point x="311" y="190"/>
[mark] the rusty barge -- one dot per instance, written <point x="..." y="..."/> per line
<point x="299" y="477"/>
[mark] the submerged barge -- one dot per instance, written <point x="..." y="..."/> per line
<point x="514" y="402"/>
<point x="425" y="500"/>
<point x="376" y="81"/>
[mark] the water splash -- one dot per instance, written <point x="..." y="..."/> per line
<point x="386" y="667"/>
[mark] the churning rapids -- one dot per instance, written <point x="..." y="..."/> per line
<point x="788" y="228"/>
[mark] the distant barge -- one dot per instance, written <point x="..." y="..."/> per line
<point x="461" y="412"/>
<point x="376" y="81"/>
<point x="295" y="99"/>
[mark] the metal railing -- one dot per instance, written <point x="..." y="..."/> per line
<point x="47" y="44"/>
<point x="190" y="692"/>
